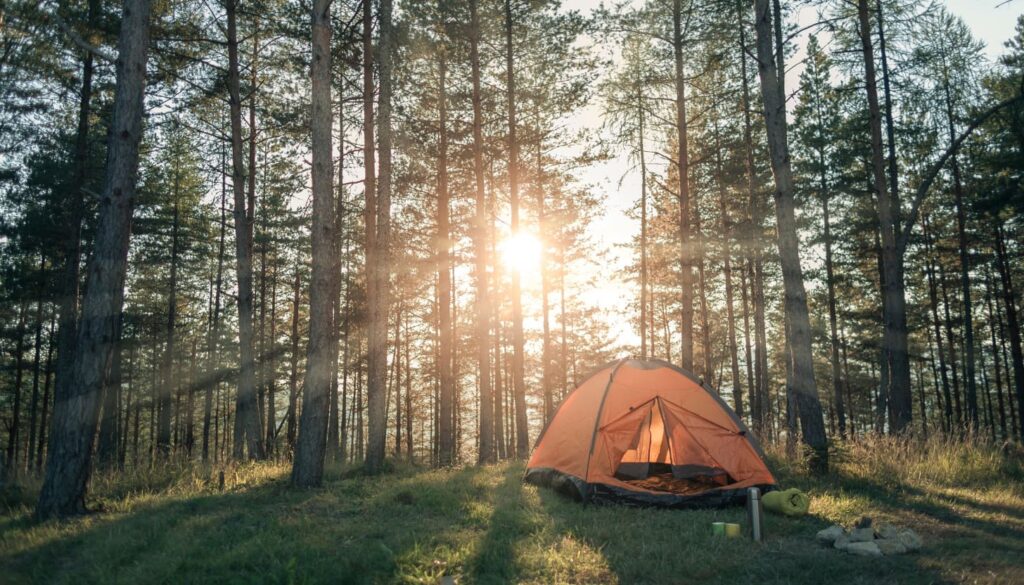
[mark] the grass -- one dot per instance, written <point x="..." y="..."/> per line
<point x="484" y="526"/>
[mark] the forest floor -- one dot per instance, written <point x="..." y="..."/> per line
<point x="483" y="525"/>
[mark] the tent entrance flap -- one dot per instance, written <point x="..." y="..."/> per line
<point x="661" y="453"/>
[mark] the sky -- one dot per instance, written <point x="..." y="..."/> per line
<point x="990" y="22"/>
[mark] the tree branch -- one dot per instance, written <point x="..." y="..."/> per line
<point x="933" y="172"/>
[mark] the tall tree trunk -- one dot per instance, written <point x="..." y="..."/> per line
<point x="163" y="433"/>
<point x="933" y="298"/>
<point x="308" y="467"/>
<point x="482" y="307"/>
<point x="894" y="339"/>
<point x="291" y="428"/>
<point x="213" y="342"/>
<point x="643" y="225"/>
<point x="33" y="407"/>
<point x="446" y="379"/>
<point x="380" y="269"/>
<point x="518" y="367"/>
<point x="247" y="431"/>
<point x="798" y="322"/>
<point x="76" y="412"/>
<point x="730" y="316"/>
<point x="683" y="193"/>
<point x="43" y="428"/>
<point x="13" y="438"/>
<point x="71" y="272"/>
<point x="965" y="266"/>
<point x="1012" y="322"/>
<point x="271" y="358"/>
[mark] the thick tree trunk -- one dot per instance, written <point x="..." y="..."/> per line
<point x="76" y="412"/>
<point x="308" y="466"/>
<point x="798" y="322"/>
<point x="380" y="268"/>
<point x="106" y="449"/>
<point x="482" y="300"/>
<point x="446" y="379"/>
<point x="247" y="417"/>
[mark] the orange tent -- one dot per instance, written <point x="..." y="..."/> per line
<point x="648" y="433"/>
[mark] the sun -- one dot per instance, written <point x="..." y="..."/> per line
<point x="521" y="252"/>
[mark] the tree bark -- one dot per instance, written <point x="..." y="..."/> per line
<point x="683" y="170"/>
<point x="1012" y="322"/>
<point x="247" y="431"/>
<point x="379" y="269"/>
<point x="76" y="412"/>
<point x="446" y="380"/>
<point x="894" y="341"/>
<point x="518" y="367"/>
<point x="71" y="272"/>
<point x="308" y="466"/>
<point x="482" y="301"/>
<point x="798" y="322"/>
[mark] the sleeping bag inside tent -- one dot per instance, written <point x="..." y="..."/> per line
<point x="648" y="433"/>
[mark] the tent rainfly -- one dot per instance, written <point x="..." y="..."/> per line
<point x="648" y="433"/>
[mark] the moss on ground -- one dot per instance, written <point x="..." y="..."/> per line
<point x="413" y="525"/>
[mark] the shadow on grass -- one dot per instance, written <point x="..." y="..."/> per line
<point x="414" y="525"/>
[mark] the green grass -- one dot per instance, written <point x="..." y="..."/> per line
<point x="484" y="526"/>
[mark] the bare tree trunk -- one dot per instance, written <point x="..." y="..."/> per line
<point x="446" y="379"/>
<point x="71" y="271"/>
<point x="13" y="439"/>
<point x="683" y="169"/>
<point x="291" y="428"/>
<point x="76" y="412"/>
<point x="798" y="322"/>
<point x="308" y="466"/>
<point x="518" y="368"/>
<point x="33" y="409"/>
<point x="965" y="269"/>
<point x="894" y="340"/>
<point x="1013" y="323"/>
<point x="380" y="269"/>
<point x="730" y="315"/>
<point x="643" y="228"/>
<point x="110" y="412"/>
<point x="163" y="433"/>
<point x="213" y="342"/>
<point x="247" y="431"/>
<point x="482" y="300"/>
<point x="37" y="463"/>
<point x="933" y="297"/>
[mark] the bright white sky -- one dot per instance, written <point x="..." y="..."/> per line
<point x="990" y="22"/>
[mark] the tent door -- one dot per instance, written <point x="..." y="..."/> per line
<point x="649" y="451"/>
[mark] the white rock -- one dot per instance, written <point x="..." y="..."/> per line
<point x="829" y="535"/>
<point x="890" y="546"/>
<point x="862" y="534"/>
<point x="864" y="549"/>
<point x="842" y="542"/>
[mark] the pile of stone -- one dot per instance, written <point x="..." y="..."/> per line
<point x="869" y="540"/>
